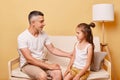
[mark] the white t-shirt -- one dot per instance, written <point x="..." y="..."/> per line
<point x="80" y="57"/>
<point x="34" y="44"/>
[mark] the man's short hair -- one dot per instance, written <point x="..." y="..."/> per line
<point x="34" y="13"/>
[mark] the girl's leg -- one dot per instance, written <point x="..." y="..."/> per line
<point x="68" y="77"/>
<point x="85" y="76"/>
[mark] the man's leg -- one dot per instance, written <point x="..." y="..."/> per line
<point x="34" y="72"/>
<point x="55" y="74"/>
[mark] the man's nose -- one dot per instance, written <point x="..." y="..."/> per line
<point x="76" y="35"/>
<point x="44" y="24"/>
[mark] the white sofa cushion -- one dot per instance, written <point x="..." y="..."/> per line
<point x="67" y="42"/>
<point x="17" y="73"/>
<point x="101" y="74"/>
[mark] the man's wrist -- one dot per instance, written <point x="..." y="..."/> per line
<point x="70" y="55"/>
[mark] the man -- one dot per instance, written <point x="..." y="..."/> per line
<point x="31" y="43"/>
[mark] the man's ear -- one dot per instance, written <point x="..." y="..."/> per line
<point x="32" y="23"/>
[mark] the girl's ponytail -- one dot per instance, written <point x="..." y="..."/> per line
<point x="91" y="25"/>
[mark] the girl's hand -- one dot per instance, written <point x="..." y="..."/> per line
<point x="77" y="77"/>
<point x="66" y="72"/>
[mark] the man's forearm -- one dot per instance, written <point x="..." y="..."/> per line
<point x="61" y="53"/>
<point x="44" y="65"/>
<point x="57" y="51"/>
<point x="39" y="63"/>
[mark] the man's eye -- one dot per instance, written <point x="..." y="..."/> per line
<point x="42" y="21"/>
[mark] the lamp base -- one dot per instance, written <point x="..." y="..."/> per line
<point x="103" y="44"/>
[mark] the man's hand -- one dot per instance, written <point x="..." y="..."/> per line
<point x="54" y="67"/>
<point x="70" y="55"/>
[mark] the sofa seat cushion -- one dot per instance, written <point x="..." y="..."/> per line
<point x="101" y="74"/>
<point x="17" y="73"/>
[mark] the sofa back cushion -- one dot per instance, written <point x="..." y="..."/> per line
<point x="67" y="42"/>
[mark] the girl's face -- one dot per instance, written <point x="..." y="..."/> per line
<point x="79" y="34"/>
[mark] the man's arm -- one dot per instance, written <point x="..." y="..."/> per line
<point x="27" y="54"/>
<point x="57" y="51"/>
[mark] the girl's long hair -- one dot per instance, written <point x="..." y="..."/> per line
<point x="86" y="29"/>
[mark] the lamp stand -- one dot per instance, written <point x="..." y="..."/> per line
<point x="103" y="32"/>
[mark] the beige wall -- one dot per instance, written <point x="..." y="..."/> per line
<point x="61" y="17"/>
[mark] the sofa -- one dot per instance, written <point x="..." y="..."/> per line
<point x="65" y="43"/>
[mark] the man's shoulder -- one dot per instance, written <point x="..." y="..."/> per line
<point x="23" y="35"/>
<point x="44" y="33"/>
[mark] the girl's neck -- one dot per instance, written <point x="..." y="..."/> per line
<point x="82" y="42"/>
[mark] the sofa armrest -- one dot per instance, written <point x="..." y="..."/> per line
<point x="106" y="49"/>
<point x="108" y="66"/>
<point x="10" y="65"/>
<point x="107" y="60"/>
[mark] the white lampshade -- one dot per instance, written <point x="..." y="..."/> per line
<point x="103" y="12"/>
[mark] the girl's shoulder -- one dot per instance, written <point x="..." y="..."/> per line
<point x="76" y="43"/>
<point x="89" y="45"/>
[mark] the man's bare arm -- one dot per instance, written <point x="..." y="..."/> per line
<point x="57" y="51"/>
<point x="27" y="54"/>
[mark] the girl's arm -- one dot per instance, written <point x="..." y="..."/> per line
<point x="70" y="63"/>
<point x="71" y="60"/>
<point x="89" y="59"/>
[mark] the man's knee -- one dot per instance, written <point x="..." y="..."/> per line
<point x="57" y="74"/>
<point x="42" y="76"/>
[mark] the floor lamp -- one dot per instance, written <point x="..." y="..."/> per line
<point x="103" y="13"/>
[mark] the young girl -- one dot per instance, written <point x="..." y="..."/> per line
<point x="78" y="68"/>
